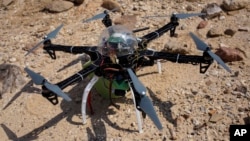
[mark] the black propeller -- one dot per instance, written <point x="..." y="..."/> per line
<point x="40" y="80"/>
<point x="145" y="103"/>
<point x="49" y="36"/>
<point x="204" y="47"/>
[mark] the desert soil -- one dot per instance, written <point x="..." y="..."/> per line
<point x="190" y="105"/>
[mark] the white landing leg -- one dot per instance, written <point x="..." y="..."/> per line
<point x="138" y="116"/>
<point x="85" y="96"/>
<point x="159" y="66"/>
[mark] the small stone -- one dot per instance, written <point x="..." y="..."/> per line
<point x="59" y="6"/>
<point x="246" y="29"/>
<point x="212" y="112"/>
<point x="133" y="124"/>
<point x="230" y="32"/>
<point x="222" y="17"/>
<point x="212" y="10"/>
<point x="12" y="59"/>
<point x="202" y="24"/>
<point x="194" y="91"/>
<point x="231" y="5"/>
<point x="241" y="88"/>
<point x="229" y="54"/>
<point x="241" y="109"/>
<point x="216" y="117"/>
<point x="190" y="8"/>
<point x="215" y="32"/>
<point x="112" y="5"/>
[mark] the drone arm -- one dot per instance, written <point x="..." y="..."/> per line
<point x="159" y="32"/>
<point x="70" y="49"/>
<point x="79" y="76"/>
<point x="90" y="50"/>
<point x="178" y="58"/>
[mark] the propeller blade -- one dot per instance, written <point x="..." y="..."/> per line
<point x="54" y="32"/>
<point x="55" y="89"/>
<point x="139" y="87"/>
<point x="204" y="47"/>
<point x="98" y="16"/>
<point x="31" y="50"/>
<point x="180" y="16"/>
<point x="51" y="35"/>
<point x="40" y="80"/>
<point x="147" y="106"/>
<point x="36" y="78"/>
<point x="144" y="103"/>
<point x="187" y="15"/>
<point x="198" y="42"/>
<point x="219" y="60"/>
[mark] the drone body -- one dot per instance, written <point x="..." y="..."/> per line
<point x="114" y="63"/>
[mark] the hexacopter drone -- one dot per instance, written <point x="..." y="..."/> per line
<point x="114" y="63"/>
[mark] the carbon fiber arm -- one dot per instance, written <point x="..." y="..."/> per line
<point x="90" y="50"/>
<point x="159" y="32"/>
<point x="79" y="76"/>
<point x="205" y="61"/>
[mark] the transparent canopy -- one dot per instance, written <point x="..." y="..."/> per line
<point x="117" y="40"/>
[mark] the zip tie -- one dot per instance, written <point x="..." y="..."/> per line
<point x="158" y="35"/>
<point x="71" y="49"/>
<point x="177" y="58"/>
<point x="80" y="75"/>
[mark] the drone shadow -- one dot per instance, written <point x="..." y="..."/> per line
<point x="28" y="87"/>
<point x="145" y="74"/>
<point x="70" y="64"/>
<point x="164" y="107"/>
<point x="71" y="109"/>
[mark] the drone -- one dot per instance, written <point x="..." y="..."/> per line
<point x="114" y="62"/>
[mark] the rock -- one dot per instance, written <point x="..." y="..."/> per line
<point x="212" y="112"/>
<point x="173" y="47"/>
<point x="241" y="88"/>
<point x="241" y="109"/>
<point x="133" y="124"/>
<point x="222" y="17"/>
<point x="232" y="13"/>
<point x="231" y="5"/>
<point x="229" y="54"/>
<point x="216" y="117"/>
<point x="190" y="8"/>
<point x="230" y="32"/>
<point x="59" y="6"/>
<point x="246" y="29"/>
<point x="10" y="78"/>
<point x="111" y="5"/>
<point x="212" y="10"/>
<point x="215" y="32"/>
<point x="77" y="2"/>
<point x="202" y="24"/>
<point x="12" y="59"/>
